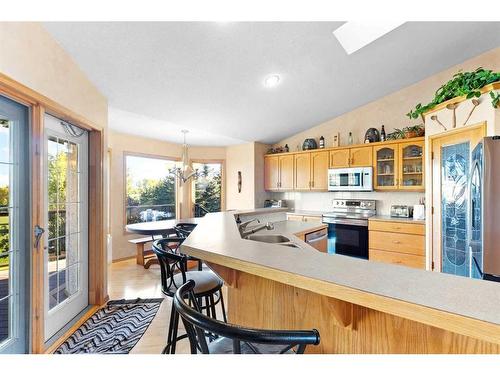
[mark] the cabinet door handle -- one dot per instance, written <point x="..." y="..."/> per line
<point x="396" y="242"/>
<point x="312" y="183"/>
<point x="397" y="228"/>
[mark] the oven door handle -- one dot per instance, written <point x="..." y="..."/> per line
<point x="357" y="222"/>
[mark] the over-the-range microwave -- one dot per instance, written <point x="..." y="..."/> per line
<point x="350" y="179"/>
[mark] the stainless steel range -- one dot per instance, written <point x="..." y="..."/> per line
<point x="348" y="226"/>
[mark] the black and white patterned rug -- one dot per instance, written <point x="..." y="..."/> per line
<point x="114" y="329"/>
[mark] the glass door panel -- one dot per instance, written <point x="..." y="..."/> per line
<point x="386" y="167"/>
<point x="14" y="216"/>
<point x="66" y="267"/>
<point x="412" y="168"/>
<point x="455" y="164"/>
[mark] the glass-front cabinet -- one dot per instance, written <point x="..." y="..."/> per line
<point x="386" y="167"/>
<point x="399" y="166"/>
<point x="411" y="166"/>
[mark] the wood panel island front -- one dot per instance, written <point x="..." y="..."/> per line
<point x="358" y="306"/>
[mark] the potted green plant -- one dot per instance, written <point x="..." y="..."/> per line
<point x="466" y="84"/>
<point x="414" y="131"/>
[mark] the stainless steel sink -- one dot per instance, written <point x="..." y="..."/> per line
<point x="290" y="245"/>
<point x="269" y="238"/>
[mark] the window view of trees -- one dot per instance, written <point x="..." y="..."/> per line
<point x="207" y="188"/>
<point x="150" y="190"/>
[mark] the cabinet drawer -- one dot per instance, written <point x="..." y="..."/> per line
<point x="397" y="242"/>
<point x="313" y="219"/>
<point x="394" y="226"/>
<point x="409" y="260"/>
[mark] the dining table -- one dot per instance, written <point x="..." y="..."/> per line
<point x="160" y="227"/>
<point x="157" y="229"/>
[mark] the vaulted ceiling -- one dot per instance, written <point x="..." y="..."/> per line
<point x="207" y="77"/>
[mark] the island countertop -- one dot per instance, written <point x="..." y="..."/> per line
<point x="461" y="305"/>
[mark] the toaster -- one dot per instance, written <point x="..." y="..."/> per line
<point x="401" y="211"/>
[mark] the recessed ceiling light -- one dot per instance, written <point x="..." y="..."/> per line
<point x="272" y="80"/>
<point x="354" y="35"/>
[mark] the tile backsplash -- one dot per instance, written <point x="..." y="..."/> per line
<point x="316" y="201"/>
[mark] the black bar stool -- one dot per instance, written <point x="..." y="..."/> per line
<point x="232" y="338"/>
<point x="173" y="267"/>
<point x="183" y="230"/>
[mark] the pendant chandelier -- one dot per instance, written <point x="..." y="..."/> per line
<point x="185" y="171"/>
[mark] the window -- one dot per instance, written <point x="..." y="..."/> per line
<point x="207" y="188"/>
<point x="150" y="189"/>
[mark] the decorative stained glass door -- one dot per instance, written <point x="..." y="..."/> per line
<point x="14" y="221"/>
<point x="451" y="170"/>
<point x="66" y="249"/>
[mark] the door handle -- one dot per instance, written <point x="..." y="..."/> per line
<point x="38" y="231"/>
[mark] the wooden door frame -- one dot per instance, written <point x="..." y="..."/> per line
<point x="223" y="182"/>
<point x="39" y="105"/>
<point x="435" y="233"/>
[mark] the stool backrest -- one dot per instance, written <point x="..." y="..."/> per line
<point x="199" y="327"/>
<point x="171" y="262"/>
<point x="184" y="229"/>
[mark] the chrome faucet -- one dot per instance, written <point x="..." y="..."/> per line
<point x="243" y="226"/>
<point x="245" y="233"/>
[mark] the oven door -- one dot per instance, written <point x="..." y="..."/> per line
<point x="350" y="179"/>
<point x="347" y="237"/>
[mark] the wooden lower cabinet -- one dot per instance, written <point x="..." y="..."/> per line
<point x="292" y="217"/>
<point x="307" y="218"/>
<point x="409" y="260"/>
<point x="397" y="242"/>
<point x="313" y="219"/>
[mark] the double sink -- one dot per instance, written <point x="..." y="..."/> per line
<point x="272" y="238"/>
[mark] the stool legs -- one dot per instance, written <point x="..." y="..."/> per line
<point x="174" y="320"/>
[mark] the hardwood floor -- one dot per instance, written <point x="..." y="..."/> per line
<point x="129" y="280"/>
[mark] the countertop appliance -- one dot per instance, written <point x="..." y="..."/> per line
<point x="484" y="210"/>
<point x="401" y="211"/>
<point x="318" y="240"/>
<point x="274" y="203"/>
<point x="350" y="179"/>
<point x="348" y="226"/>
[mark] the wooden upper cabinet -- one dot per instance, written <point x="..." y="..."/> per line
<point x="351" y="157"/>
<point x="302" y="171"/>
<point x="319" y="170"/>
<point x="339" y="158"/>
<point x="361" y="157"/>
<point x="385" y="168"/>
<point x="271" y="173"/>
<point x="286" y="172"/>
<point x="411" y="166"/>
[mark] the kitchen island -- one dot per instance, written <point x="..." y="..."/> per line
<point x="358" y="306"/>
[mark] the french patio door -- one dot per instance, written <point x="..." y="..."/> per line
<point x="66" y="207"/>
<point x="14" y="226"/>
